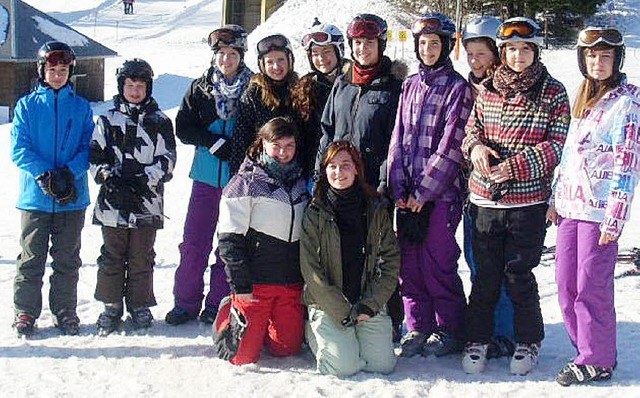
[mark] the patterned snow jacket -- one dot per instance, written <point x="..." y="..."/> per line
<point x="321" y="259"/>
<point x="527" y="130"/>
<point x="259" y="228"/>
<point x="364" y="115"/>
<point x="425" y="155"/>
<point x="133" y="142"/>
<point x="600" y="162"/>
<point x="50" y="130"/>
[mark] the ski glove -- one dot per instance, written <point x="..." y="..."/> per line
<point x="123" y="194"/>
<point x="413" y="226"/>
<point x="59" y="184"/>
<point x="44" y="182"/>
<point x="220" y="147"/>
<point x="357" y="309"/>
<point x="230" y="330"/>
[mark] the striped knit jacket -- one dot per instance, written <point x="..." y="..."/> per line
<point x="528" y="130"/>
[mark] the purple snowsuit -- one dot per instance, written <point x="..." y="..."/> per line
<point x="424" y="161"/>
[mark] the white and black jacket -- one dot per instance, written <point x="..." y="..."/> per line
<point x="259" y="228"/>
<point x="133" y="142"/>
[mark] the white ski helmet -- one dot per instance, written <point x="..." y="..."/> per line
<point x="484" y="26"/>
<point x="322" y="35"/>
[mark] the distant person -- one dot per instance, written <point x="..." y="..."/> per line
<point x="259" y="232"/>
<point x="479" y="41"/>
<point x="50" y="138"/>
<point x="592" y="200"/>
<point x="514" y="140"/>
<point x="206" y="120"/>
<point x="128" y="6"/>
<point x="426" y="185"/>
<point x="133" y="153"/>
<point x="350" y="261"/>
<point x="361" y="108"/>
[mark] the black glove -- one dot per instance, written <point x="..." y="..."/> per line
<point x="122" y="194"/>
<point x="44" y="182"/>
<point x="413" y="225"/>
<point x="357" y="309"/>
<point x="220" y="147"/>
<point x="228" y="339"/>
<point x="64" y="186"/>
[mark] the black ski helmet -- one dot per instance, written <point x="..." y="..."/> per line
<point x="135" y="68"/>
<point x="58" y="50"/>
<point x="370" y="26"/>
<point x="440" y="25"/>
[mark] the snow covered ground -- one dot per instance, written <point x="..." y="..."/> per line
<point x="180" y="361"/>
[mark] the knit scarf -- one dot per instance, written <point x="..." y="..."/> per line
<point x="227" y="92"/>
<point x="287" y="173"/>
<point x="509" y="83"/>
<point x="363" y="76"/>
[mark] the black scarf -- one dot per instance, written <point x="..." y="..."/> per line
<point x="349" y="206"/>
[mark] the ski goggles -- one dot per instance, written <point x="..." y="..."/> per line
<point x="522" y="29"/>
<point x="318" y="38"/>
<point x="273" y="42"/>
<point x="364" y="28"/>
<point x="59" y="57"/>
<point x="589" y="37"/>
<point x="426" y="25"/>
<point x="228" y="38"/>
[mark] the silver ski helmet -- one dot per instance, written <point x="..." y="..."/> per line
<point x="323" y="35"/>
<point x="230" y="35"/>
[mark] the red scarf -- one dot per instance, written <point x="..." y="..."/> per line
<point x="363" y="76"/>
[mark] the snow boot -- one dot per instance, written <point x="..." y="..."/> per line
<point x="525" y="358"/>
<point x="178" y="316"/>
<point x="475" y="358"/>
<point x="24" y="324"/>
<point x="580" y="374"/>
<point x="68" y="322"/>
<point x="110" y="319"/>
<point x="440" y="344"/>
<point x="208" y="314"/>
<point x="412" y="343"/>
<point x="141" y="318"/>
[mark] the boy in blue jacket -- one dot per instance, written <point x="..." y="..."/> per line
<point x="50" y="145"/>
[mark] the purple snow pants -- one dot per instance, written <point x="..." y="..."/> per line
<point x="197" y="242"/>
<point x="431" y="289"/>
<point x="584" y="273"/>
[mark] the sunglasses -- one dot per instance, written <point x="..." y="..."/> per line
<point x="364" y="28"/>
<point x="521" y="29"/>
<point x="590" y="37"/>
<point x="318" y="38"/>
<point x="426" y="25"/>
<point x="60" y="57"/>
<point x="273" y="42"/>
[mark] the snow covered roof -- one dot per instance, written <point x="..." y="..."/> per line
<point x="23" y="29"/>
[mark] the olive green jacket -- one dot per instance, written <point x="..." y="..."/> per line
<point x="321" y="259"/>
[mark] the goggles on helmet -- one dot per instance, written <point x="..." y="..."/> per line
<point x="227" y="37"/>
<point x="318" y="38"/>
<point x="58" y="57"/>
<point x="522" y="29"/>
<point x="589" y="37"/>
<point x="273" y="42"/>
<point x="364" y="28"/>
<point x="426" y="25"/>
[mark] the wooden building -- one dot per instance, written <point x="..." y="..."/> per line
<point x="248" y="13"/>
<point x="23" y="29"/>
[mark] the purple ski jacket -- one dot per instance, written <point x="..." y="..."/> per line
<point x="424" y="154"/>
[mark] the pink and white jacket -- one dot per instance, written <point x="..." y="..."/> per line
<point x="600" y="162"/>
